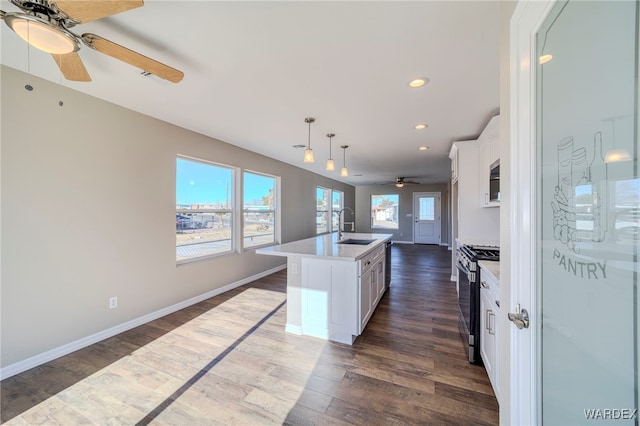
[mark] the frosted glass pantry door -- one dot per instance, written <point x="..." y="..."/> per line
<point x="588" y="218"/>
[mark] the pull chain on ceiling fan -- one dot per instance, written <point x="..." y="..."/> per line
<point x="45" y="25"/>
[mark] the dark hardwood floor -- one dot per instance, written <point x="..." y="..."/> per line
<point x="227" y="360"/>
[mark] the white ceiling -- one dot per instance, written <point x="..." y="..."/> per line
<point x="255" y="70"/>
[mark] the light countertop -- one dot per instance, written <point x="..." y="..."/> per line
<point x="325" y="246"/>
<point x="492" y="268"/>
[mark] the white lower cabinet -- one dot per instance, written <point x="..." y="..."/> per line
<point x="489" y="335"/>
<point x="371" y="282"/>
<point x="339" y="297"/>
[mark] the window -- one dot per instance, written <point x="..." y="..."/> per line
<point x="323" y="203"/>
<point x="336" y="205"/>
<point x="259" y="209"/>
<point x="384" y="211"/>
<point x="426" y="208"/>
<point x="204" y="209"/>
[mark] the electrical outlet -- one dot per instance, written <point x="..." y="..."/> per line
<point x="113" y="302"/>
<point x="402" y="234"/>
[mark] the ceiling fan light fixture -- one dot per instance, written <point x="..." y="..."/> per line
<point x="41" y="34"/>
<point x="399" y="184"/>
<point x="308" y="153"/>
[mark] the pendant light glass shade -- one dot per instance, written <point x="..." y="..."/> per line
<point x="330" y="164"/>
<point x="308" y="153"/>
<point x="344" y="172"/>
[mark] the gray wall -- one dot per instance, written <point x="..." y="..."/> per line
<point x="88" y="198"/>
<point x="363" y="208"/>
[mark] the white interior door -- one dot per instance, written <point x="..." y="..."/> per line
<point x="575" y="165"/>
<point x="426" y="217"/>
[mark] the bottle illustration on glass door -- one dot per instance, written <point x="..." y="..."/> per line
<point x="579" y="210"/>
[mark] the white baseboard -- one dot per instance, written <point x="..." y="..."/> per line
<point x="293" y="329"/>
<point x="36" y="360"/>
<point x="402" y="242"/>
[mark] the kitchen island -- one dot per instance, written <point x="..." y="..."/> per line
<point x="333" y="287"/>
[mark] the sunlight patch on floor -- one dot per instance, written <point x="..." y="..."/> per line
<point x="220" y="367"/>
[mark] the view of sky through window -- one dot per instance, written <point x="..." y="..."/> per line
<point x="199" y="183"/>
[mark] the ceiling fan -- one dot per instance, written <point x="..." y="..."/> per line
<point x="45" y="24"/>
<point x="400" y="181"/>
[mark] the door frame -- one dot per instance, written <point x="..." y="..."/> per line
<point x="438" y="208"/>
<point x="523" y="350"/>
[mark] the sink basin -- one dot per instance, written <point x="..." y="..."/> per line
<point x="356" y="241"/>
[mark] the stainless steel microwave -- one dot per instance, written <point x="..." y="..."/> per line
<point x="494" y="182"/>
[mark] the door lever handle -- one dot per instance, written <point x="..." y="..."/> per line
<point x="520" y="318"/>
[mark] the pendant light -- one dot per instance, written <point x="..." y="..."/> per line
<point x="308" y="153"/>
<point x="330" y="164"/>
<point x="344" y="172"/>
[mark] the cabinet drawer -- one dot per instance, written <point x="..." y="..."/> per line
<point x="370" y="259"/>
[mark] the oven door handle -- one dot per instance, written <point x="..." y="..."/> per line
<point x="465" y="271"/>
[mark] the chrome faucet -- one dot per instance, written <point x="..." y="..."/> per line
<point x="341" y="222"/>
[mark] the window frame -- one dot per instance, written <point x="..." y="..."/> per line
<point x="230" y="209"/>
<point x="397" y="212"/>
<point x="327" y="198"/>
<point x="275" y="210"/>
<point x="336" y="212"/>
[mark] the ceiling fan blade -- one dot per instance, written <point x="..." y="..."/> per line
<point x="92" y="10"/>
<point x="133" y="58"/>
<point x="72" y="67"/>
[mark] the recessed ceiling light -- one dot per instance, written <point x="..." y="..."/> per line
<point x="418" y="82"/>
<point x="423" y="148"/>
<point x="545" y="58"/>
<point x="420" y="126"/>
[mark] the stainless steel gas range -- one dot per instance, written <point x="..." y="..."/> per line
<point x="467" y="257"/>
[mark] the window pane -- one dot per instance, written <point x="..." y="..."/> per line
<point x="336" y="206"/>
<point x="259" y="210"/>
<point x="322" y="199"/>
<point x="427" y="209"/>
<point x="203" y="186"/>
<point x="202" y="234"/>
<point x="322" y="222"/>
<point x="323" y="207"/>
<point x="384" y="211"/>
<point x="259" y="192"/>
<point x="258" y="228"/>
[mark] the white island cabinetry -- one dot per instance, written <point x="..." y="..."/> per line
<point x="332" y="289"/>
